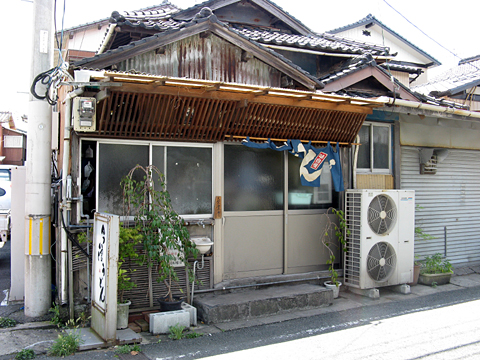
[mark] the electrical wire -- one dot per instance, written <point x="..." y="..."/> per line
<point x="72" y="238"/>
<point x="424" y="33"/>
<point x="52" y="78"/>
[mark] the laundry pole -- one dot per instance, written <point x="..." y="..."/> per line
<point x="38" y="284"/>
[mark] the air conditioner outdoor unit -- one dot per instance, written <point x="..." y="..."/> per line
<point x="380" y="238"/>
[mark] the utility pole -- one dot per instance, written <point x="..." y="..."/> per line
<point x="38" y="298"/>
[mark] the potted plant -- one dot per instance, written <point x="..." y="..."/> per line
<point x="420" y="235"/>
<point x="435" y="271"/>
<point x="128" y="240"/>
<point x="339" y="231"/>
<point x="165" y="239"/>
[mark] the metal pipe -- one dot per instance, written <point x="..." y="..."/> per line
<point x="340" y="273"/>
<point x="436" y="108"/>
<point x="195" y="266"/>
<point x="445" y="239"/>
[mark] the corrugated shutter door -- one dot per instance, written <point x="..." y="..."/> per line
<point x="450" y="204"/>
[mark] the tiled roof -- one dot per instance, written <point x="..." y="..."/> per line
<point x="323" y="42"/>
<point x="372" y="19"/>
<point x="213" y="19"/>
<point x="349" y="67"/>
<point x="455" y="80"/>
<point x="157" y="19"/>
<point x="400" y="67"/>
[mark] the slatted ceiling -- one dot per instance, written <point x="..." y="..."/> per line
<point x="169" y="117"/>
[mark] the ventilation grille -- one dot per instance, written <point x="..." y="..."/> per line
<point x="430" y="167"/>
<point x="353" y="224"/>
<point x="382" y="214"/>
<point x="381" y="261"/>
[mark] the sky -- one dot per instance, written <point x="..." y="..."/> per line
<point x="452" y="25"/>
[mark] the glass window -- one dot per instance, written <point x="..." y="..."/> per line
<point x="5" y="174"/>
<point x="307" y="197"/>
<point x="253" y="179"/>
<point x="375" y="152"/>
<point x="189" y="179"/>
<point x="115" y="161"/>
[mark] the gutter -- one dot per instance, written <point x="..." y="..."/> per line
<point x="422" y="106"/>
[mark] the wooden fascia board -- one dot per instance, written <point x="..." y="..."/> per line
<point x="235" y="96"/>
<point x="362" y="74"/>
<point x="275" y="11"/>
<point x="220" y="31"/>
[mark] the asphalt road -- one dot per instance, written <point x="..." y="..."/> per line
<point x="441" y="326"/>
<point x="4" y="269"/>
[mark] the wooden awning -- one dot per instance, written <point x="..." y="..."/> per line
<point x="159" y="108"/>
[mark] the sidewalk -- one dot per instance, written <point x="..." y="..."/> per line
<point x="40" y="334"/>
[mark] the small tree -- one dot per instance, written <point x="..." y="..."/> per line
<point x="164" y="235"/>
<point x="128" y="240"/>
<point x="339" y="231"/>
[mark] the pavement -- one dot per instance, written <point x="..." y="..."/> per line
<point x="39" y="334"/>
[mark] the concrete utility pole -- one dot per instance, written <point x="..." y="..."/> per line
<point x="38" y="298"/>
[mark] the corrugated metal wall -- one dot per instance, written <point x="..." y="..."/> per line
<point x="210" y="58"/>
<point x="450" y="202"/>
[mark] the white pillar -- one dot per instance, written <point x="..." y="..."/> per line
<point x="38" y="266"/>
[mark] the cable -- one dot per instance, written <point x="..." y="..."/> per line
<point x="435" y="41"/>
<point x="72" y="238"/>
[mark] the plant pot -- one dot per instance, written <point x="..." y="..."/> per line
<point x="437" y="279"/>
<point x="416" y="274"/>
<point x="335" y="288"/>
<point x="122" y="315"/>
<point x="165" y="305"/>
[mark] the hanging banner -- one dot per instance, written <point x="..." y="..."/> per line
<point x="313" y="160"/>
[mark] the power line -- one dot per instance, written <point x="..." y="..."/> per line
<point x="424" y="33"/>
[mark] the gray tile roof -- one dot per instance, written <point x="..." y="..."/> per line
<point x="455" y="80"/>
<point x="323" y="42"/>
<point x="159" y="19"/>
<point x="372" y="19"/>
<point x="349" y="67"/>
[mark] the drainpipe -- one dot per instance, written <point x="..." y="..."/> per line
<point x="355" y="159"/>
<point x="423" y="106"/>
<point x="66" y="193"/>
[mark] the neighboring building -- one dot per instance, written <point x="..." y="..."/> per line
<point x="14" y="142"/>
<point x="459" y="84"/>
<point x="410" y="65"/>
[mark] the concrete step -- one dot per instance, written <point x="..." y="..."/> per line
<point x="215" y="308"/>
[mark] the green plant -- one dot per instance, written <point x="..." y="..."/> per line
<point x="127" y="241"/>
<point x="193" y="335"/>
<point x="436" y="265"/>
<point x="7" y="322"/>
<point x="176" y="332"/>
<point x="165" y="238"/>
<point x="25" y="354"/>
<point x="126" y="349"/>
<point x="65" y="344"/>
<point x="434" y="284"/>
<point x="339" y="230"/>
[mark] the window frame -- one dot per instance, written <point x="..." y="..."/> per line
<point x="372" y="169"/>
<point x="150" y="145"/>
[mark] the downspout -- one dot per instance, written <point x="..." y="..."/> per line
<point x="355" y="159"/>
<point x="66" y="186"/>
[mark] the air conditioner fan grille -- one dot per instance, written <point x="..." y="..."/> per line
<point x="381" y="261"/>
<point x="382" y="214"/>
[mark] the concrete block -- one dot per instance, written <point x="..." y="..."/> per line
<point x="402" y="289"/>
<point x="192" y="311"/>
<point x="143" y="324"/>
<point x="161" y="322"/>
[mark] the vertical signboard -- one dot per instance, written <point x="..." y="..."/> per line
<point x="104" y="284"/>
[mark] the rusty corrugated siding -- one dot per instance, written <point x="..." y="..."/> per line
<point x="209" y="58"/>
<point x="168" y="117"/>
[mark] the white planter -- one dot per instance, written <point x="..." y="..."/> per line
<point x="122" y="315"/>
<point x="335" y="288"/>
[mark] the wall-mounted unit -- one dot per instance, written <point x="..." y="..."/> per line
<point x="380" y="241"/>
<point x="83" y="113"/>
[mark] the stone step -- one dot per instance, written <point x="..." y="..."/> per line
<point x="215" y="308"/>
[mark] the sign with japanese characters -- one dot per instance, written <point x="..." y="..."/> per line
<point x="104" y="284"/>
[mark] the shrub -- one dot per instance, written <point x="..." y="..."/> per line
<point x="436" y="265"/>
<point x="7" y="322"/>
<point x="65" y="345"/>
